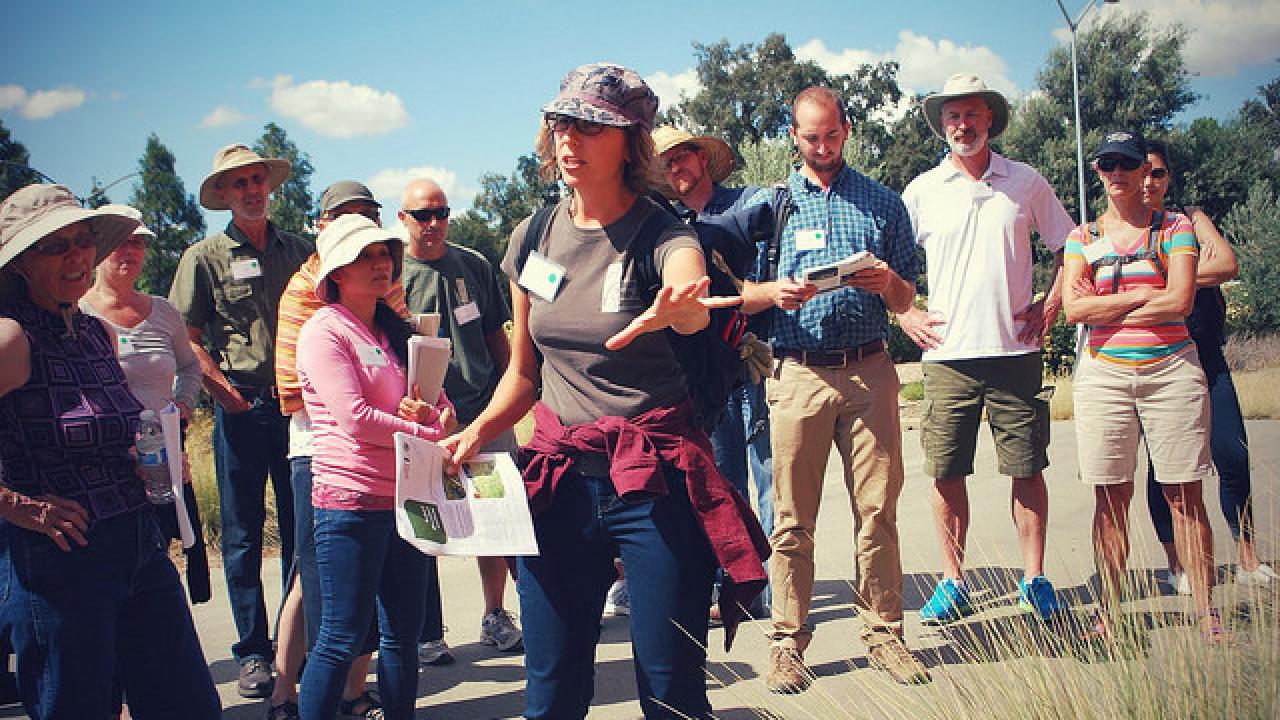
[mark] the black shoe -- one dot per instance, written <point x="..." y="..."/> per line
<point x="255" y="679"/>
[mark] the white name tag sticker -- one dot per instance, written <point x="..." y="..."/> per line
<point x="126" y="345"/>
<point x="811" y="239"/>
<point x="1094" y="251"/>
<point x="371" y="355"/>
<point x="245" y="269"/>
<point x="611" y="289"/>
<point x="466" y="313"/>
<point x="541" y="276"/>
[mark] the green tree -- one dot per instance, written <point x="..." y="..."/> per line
<point x="1252" y="226"/>
<point x="15" y="170"/>
<point x="292" y="207"/>
<point x="1132" y="75"/>
<point x="473" y="231"/>
<point x="169" y="211"/>
<point x="911" y="149"/>
<point x="504" y="201"/>
<point x="764" y="162"/>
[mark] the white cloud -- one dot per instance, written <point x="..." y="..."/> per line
<point x="924" y="64"/>
<point x="389" y="183"/>
<point x="221" y="116"/>
<point x="41" y="104"/>
<point x="338" y="109"/>
<point x="1224" y="34"/>
<point x="671" y="89"/>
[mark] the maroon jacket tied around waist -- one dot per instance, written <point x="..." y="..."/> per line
<point x="637" y="448"/>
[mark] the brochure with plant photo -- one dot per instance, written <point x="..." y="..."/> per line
<point x="480" y="510"/>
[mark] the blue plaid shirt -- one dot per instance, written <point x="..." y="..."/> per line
<point x="856" y="214"/>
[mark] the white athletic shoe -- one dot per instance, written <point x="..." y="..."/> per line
<point x="618" y="601"/>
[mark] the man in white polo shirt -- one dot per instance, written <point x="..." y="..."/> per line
<point x="974" y="214"/>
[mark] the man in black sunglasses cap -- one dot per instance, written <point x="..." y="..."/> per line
<point x="460" y="284"/>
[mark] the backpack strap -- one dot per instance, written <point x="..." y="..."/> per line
<point x="640" y="252"/>
<point x="782" y="207"/>
<point x="1150" y="251"/>
<point x="534" y="232"/>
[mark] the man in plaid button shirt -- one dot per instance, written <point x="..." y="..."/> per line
<point x="834" y="382"/>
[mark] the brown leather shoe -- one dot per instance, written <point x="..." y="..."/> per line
<point x="894" y="658"/>
<point x="787" y="672"/>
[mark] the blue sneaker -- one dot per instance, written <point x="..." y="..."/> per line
<point x="949" y="603"/>
<point x="1038" y="596"/>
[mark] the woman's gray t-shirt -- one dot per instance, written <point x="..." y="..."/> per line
<point x="581" y="380"/>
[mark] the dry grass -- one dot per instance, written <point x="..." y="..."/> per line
<point x="1252" y="352"/>
<point x="200" y="453"/>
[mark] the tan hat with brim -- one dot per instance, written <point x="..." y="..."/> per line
<point x="237" y="156"/>
<point x="340" y="243"/>
<point x="961" y="85"/>
<point x="134" y="213"/>
<point x="37" y="211"/>
<point x="720" y="160"/>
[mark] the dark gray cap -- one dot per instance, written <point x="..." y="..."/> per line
<point x="342" y="192"/>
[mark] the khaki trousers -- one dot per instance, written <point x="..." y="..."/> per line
<point x="856" y="407"/>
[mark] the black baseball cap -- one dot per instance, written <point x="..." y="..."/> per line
<point x="1126" y="143"/>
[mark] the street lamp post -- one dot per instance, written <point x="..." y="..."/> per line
<point x="1075" y="94"/>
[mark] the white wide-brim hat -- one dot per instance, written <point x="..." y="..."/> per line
<point x="720" y="160"/>
<point x="959" y="86"/>
<point x="37" y="211"/>
<point x="134" y="213"/>
<point x="341" y="242"/>
<point x="237" y="156"/>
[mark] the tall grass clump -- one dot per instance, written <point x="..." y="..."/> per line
<point x="199" y="447"/>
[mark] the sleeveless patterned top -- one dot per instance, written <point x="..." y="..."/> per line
<point x="68" y="430"/>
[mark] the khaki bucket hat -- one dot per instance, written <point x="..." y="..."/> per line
<point x="340" y="243"/>
<point x="961" y="85"/>
<point x="720" y="160"/>
<point x="237" y="156"/>
<point x="37" y="211"/>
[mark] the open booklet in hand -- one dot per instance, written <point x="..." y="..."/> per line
<point x="428" y="362"/>
<point x="481" y="510"/>
<point x="836" y="275"/>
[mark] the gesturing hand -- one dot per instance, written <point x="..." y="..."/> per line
<point x="918" y="325"/>
<point x="56" y="517"/>
<point x="674" y="306"/>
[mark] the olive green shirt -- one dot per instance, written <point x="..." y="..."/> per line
<point x="231" y="292"/>
<point x="448" y="286"/>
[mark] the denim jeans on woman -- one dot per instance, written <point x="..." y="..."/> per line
<point x="365" y="567"/>
<point x="111" y="609"/>
<point x="669" y="567"/>
<point x="741" y="441"/>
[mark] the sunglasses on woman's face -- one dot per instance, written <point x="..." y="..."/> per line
<point x="424" y="215"/>
<point x="61" y="246"/>
<point x="1108" y="163"/>
<point x="562" y="123"/>
<point x="1159" y="173"/>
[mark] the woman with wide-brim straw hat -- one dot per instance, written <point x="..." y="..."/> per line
<point x="352" y="360"/>
<point x="586" y="334"/>
<point x="92" y="594"/>
<point x="720" y="161"/>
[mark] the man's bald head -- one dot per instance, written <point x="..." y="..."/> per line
<point x="424" y="210"/>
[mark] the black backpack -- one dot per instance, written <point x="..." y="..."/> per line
<point x="712" y="365"/>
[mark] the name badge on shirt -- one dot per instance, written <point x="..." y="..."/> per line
<point x="611" y="289"/>
<point x="245" y="269"/>
<point x="1094" y="251"/>
<point x="126" y="345"/>
<point x="541" y="276"/>
<point x="371" y="355"/>
<point x="811" y="239"/>
<point x="466" y="313"/>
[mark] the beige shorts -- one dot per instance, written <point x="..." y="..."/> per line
<point x="1115" y="406"/>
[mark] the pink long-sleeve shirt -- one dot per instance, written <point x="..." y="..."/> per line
<point x="352" y="385"/>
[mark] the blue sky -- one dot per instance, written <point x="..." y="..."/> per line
<point x="385" y="91"/>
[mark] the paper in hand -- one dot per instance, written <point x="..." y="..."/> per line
<point x="428" y="362"/>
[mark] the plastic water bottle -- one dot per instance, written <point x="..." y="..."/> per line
<point x="153" y="459"/>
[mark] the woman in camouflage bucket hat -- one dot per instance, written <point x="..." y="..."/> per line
<point x="607" y="376"/>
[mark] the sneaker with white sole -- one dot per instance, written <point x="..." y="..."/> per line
<point x="618" y="601"/>
<point x="1038" y="596"/>
<point x="949" y="603"/>
<point x="1261" y="577"/>
<point x="435" y="653"/>
<point x="498" y="629"/>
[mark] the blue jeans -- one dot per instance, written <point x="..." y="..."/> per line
<point x="365" y="566"/>
<point x="113" y="609"/>
<point x="246" y="447"/>
<point x="741" y="440"/>
<point x="304" y="544"/>
<point x="669" y="569"/>
<point x="1230" y="449"/>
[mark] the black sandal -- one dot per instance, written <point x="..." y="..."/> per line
<point x="364" y="706"/>
<point x="287" y="710"/>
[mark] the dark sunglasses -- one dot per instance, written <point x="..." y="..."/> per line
<point x="1159" y="173"/>
<point x="424" y="215"/>
<point x="62" y="246"/>
<point x="1108" y="163"/>
<point x="562" y="123"/>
